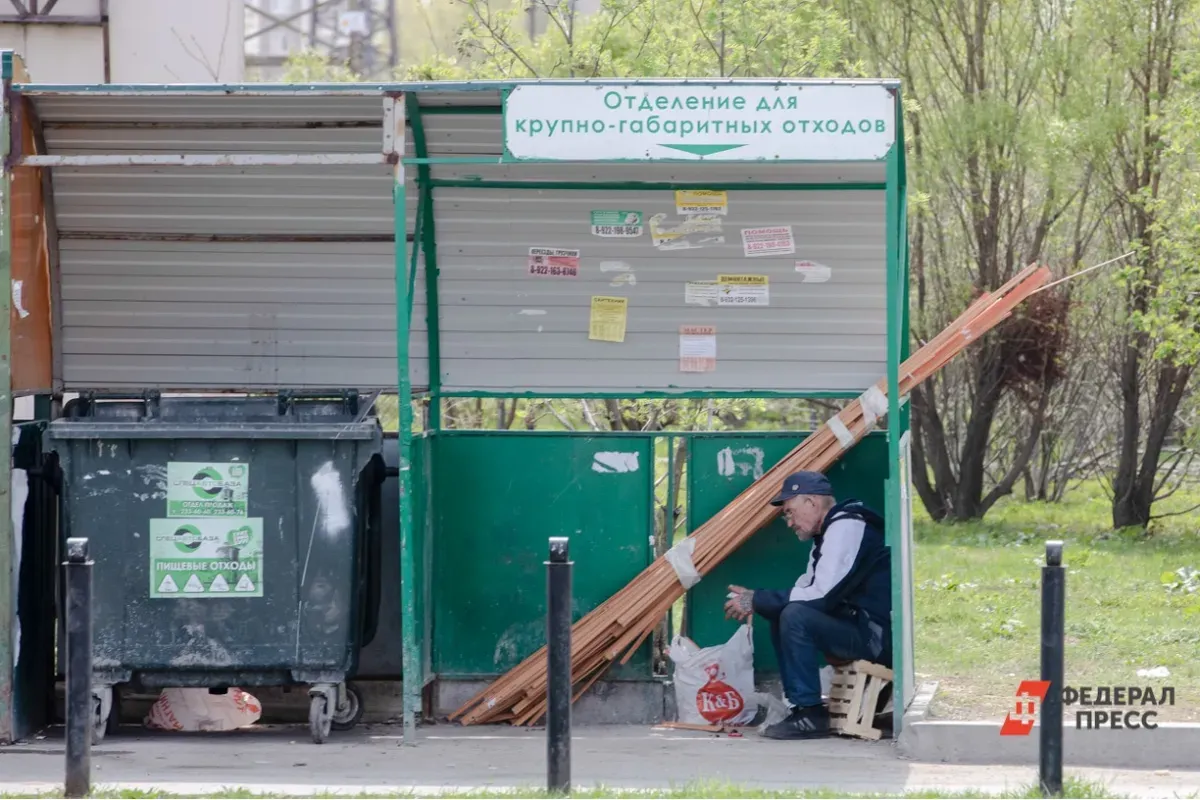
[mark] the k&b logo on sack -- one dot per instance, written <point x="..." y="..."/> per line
<point x="717" y="701"/>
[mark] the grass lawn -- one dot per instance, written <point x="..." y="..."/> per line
<point x="978" y="601"/>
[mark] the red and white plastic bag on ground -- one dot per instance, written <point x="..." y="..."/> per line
<point x="715" y="685"/>
<point x="197" y="710"/>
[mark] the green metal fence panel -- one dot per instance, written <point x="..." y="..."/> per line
<point x="721" y="466"/>
<point x="498" y="497"/>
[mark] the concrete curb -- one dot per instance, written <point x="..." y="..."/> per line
<point x="918" y="709"/>
<point x="1172" y="745"/>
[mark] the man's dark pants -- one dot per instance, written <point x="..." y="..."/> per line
<point x="801" y="634"/>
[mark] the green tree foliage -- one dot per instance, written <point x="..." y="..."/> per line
<point x="309" y="66"/>
<point x="1149" y="175"/>
<point x="665" y="38"/>
<point x="1037" y="131"/>
<point x="1001" y="141"/>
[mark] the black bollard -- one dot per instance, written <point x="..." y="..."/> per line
<point x="1054" y="584"/>
<point x="78" y="579"/>
<point x="558" y="676"/>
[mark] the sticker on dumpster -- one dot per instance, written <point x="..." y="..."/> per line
<point x="208" y="557"/>
<point x="201" y="489"/>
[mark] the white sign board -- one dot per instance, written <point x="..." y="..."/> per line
<point x="696" y="122"/>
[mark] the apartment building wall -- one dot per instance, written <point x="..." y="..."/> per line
<point x="129" y="41"/>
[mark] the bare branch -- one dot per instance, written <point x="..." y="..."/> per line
<point x="566" y="423"/>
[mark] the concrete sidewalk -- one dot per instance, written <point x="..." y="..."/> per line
<point x="282" y="759"/>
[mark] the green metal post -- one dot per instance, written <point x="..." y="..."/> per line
<point x="432" y="324"/>
<point x="893" y="202"/>
<point x="906" y="411"/>
<point x="416" y="256"/>
<point x="669" y="518"/>
<point x="669" y="522"/>
<point x="8" y="571"/>
<point x="428" y="237"/>
<point x="648" y="186"/>
<point x="411" y="655"/>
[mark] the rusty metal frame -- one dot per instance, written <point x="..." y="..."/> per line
<point x="49" y="209"/>
<point x="231" y="238"/>
<point x="205" y="160"/>
<point x="213" y="124"/>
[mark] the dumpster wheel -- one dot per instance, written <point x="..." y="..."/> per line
<point x="348" y="717"/>
<point x="320" y="720"/>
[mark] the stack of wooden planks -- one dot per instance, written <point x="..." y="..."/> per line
<point x="616" y="628"/>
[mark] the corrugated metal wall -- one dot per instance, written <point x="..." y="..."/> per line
<point x="501" y="327"/>
<point x="145" y="303"/>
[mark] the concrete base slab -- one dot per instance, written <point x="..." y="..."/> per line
<point x="606" y="703"/>
<point x="1169" y="746"/>
<point x="283" y="760"/>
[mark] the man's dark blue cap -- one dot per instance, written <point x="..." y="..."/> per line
<point x="799" y="483"/>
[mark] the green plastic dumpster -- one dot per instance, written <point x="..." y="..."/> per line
<point x="229" y="538"/>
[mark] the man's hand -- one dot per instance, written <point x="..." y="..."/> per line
<point x="740" y="605"/>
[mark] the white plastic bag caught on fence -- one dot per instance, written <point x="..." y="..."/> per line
<point x="715" y="685"/>
<point x="197" y="710"/>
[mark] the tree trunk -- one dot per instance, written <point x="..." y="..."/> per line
<point x="967" y="500"/>
<point x="961" y="496"/>
<point x="1131" y="506"/>
<point x="1128" y="508"/>
<point x="934" y="503"/>
<point x="1135" y="486"/>
<point x="612" y="409"/>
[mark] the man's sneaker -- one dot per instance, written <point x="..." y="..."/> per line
<point x="811" y="722"/>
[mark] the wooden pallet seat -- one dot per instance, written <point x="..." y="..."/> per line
<point x="854" y="698"/>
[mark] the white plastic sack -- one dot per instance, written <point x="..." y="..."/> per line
<point x="715" y="685"/>
<point x="777" y="709"/>
<point x="197" y="710"/>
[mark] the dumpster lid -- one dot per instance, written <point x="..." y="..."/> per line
<point x="153" y="417"/>
<point x="91" y="429"/>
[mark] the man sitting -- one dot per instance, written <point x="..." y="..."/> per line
<point x="840" y="607"/>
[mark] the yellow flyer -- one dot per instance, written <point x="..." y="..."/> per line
<point x="607" y="323"/>
<point x="697" y="201"/>
<point x="743" y="290"/>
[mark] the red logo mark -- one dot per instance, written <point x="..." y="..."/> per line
<point x="717" y="701"/>
<point x="1019" y="721"/>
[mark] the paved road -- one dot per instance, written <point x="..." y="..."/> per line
<point x="372" y="758"/>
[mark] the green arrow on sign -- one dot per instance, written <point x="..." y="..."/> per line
<point x="703" y="149"/>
